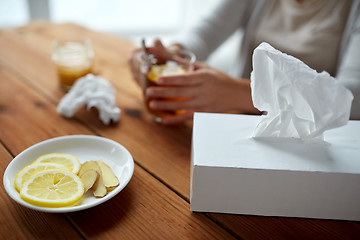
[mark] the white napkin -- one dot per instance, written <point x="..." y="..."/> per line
<point x="92" y="91"/>
<point x="300" y="102"/>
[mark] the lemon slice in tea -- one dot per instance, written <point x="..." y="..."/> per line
<point x="164" y="70"/>
<point x="52" y="188"/>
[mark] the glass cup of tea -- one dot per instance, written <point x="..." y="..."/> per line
<point x="152" y="68"/>
<point x="73" y="59"/>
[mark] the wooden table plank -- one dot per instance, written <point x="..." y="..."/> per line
<point x="17" y="222"/>
<point x="258" y="227"/>
<point x="144" y="199"/>
<point x="27" y="118"/>
<point x="146" y="210"/>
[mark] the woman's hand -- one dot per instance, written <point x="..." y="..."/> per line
<point x="158" y="50"/>
<point x="206" y="90"/>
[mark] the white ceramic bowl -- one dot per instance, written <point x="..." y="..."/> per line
<point x="86" y="148"/>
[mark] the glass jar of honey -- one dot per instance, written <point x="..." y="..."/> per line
<point x="73" y="59"/>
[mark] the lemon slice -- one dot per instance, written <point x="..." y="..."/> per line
<point x="164" y="70"/>
<point x="155" y="72"/>
<point x="52" y="188"/>
<point x="30" y="170"/>
<point x="71" y="162"/>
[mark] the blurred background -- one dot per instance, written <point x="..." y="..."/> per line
<point x="131" y="19"/>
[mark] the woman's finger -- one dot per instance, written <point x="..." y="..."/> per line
<point x="159" y="51"/>
<point x="171" y="92"/>
<point x="191" y="78"/>
<point x="200" y="65"/>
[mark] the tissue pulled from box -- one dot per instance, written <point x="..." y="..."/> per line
<point x="91" y="91"/>
<point x="298" y="101"/>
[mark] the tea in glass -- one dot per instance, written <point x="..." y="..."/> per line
<point x="180" y="63"/>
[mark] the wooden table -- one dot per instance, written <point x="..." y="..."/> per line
<point x="155" y="204"/>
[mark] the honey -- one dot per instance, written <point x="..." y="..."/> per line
<point x="73" y="59"/>
<point x="68" y="75"/>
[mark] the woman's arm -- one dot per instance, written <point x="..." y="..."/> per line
<point x="215" y="28"/>
<point x="349" y="71"/>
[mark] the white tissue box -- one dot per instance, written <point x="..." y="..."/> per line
<point x="234" y="173"/>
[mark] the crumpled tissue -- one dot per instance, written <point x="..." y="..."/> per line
<point x="92" y="91"/>
<point x="299" y="102"/>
